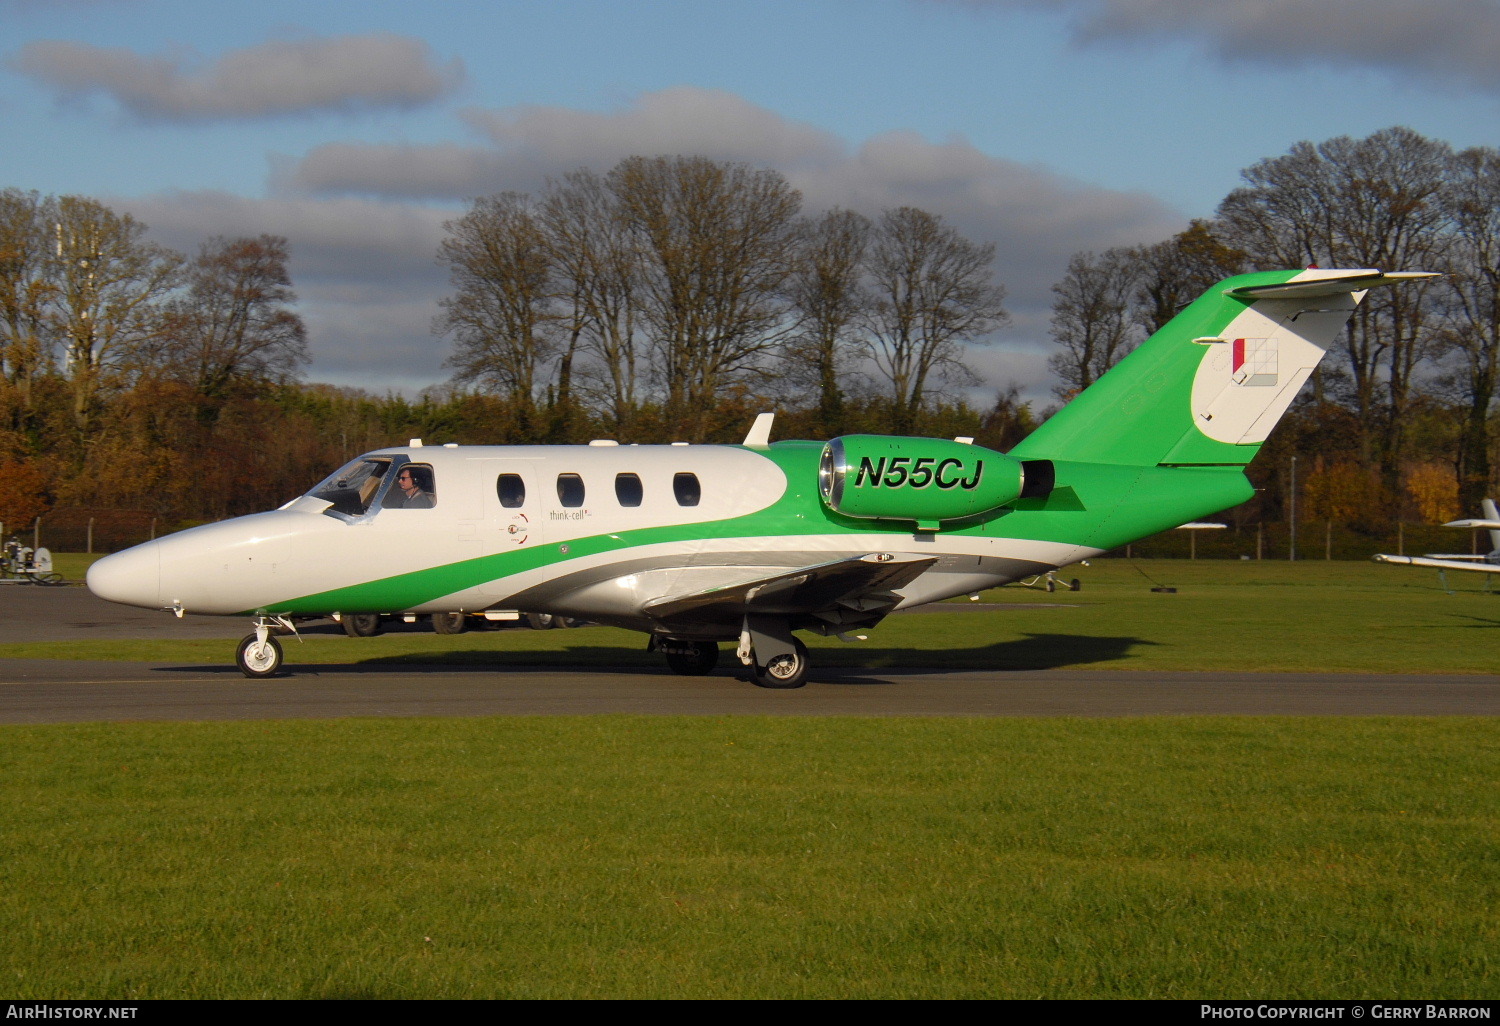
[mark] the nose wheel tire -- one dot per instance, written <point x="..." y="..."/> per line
<point x="540" y="621"/>
<point x="361" y="625"/>
<point x="788" y="670"/>
<point x="257" y="658"/>
<point x="692" y="658"/>
<point x="450" y="623"/>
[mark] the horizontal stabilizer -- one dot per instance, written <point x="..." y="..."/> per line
<point x="1331" y="286"/>
<point x="1439" y="564"/>
<point x="1492" y="525"/>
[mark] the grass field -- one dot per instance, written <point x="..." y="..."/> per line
<point x="745" y="857"/>
<point x="617" y="856"/>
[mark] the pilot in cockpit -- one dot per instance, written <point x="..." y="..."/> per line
<point x="414" y="489"/>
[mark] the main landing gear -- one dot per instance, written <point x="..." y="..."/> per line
<point x="785" y="669"/>
<point x="775" y="657"/>
<point x="690" y="658"/>
<point x="360" y="625"/>
<point x="259" y="654"/>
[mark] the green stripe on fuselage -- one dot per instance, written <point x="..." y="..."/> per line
<point x="1114" y="505"/>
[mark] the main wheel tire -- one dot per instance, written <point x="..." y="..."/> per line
<point x="450" y="623"/>
<point x="566" y="621"/>
<point x="788" y="670"/>
<point x="541" y="621"/>
<point x="257" y="660"/>
<point x="361" y="625"/>
<point x="695" y="659"/>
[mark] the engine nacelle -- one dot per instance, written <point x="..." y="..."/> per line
<point x="928" y="480"/>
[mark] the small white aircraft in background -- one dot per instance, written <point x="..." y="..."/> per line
<point x="698" y="545"/>
<point x="1488" y="563"/>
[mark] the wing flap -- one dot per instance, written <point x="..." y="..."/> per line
<point x="861" y="585"/>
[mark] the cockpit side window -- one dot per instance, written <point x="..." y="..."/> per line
<point x="414" y="488"/>
<point x="353" y="487"/>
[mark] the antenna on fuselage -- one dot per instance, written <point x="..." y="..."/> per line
<point x="760" y="431"/>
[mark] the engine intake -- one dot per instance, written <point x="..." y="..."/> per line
<point x="928" y="480"/>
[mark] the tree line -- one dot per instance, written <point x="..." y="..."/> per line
<point x="671" y="298"/>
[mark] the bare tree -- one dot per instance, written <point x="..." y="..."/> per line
<point x="501" y="267"/>
<point x="1355" y="203"/>
<point x="931" y="291"/>
<point x="597" y="266"/>
<point x="1471" y="307"/>
<point x="826" y="289"/>
<point x="1092" y="317"/>
<point x="24" y="290"/>
<point x="107" y="285"/>
<point x="1174" y="273"/>
<point x="234" y="326"/>
<point x="716" y="246"/>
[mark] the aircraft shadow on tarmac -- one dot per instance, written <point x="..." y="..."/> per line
<point x="838" y="666"/>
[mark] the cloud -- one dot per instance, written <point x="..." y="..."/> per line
<point x="365" y="274"/>
<point x="344" y="74"/>
<point x="1453" y="41"/>
<point x="364" y="222"/>
<point x="528" y="144"/>
<point x="1036" y="217"/>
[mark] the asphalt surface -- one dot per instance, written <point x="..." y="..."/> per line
<point x="54" y="691"/>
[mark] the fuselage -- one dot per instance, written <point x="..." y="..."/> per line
<point x="602" y="530"/>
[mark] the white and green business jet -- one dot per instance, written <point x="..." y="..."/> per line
<point x="695" y="545"/>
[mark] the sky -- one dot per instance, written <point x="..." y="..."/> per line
<point x="1045" y="127"/>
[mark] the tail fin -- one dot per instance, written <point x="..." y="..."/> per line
<point x="1490" y="521"/>
<point x="1208" y="387"/>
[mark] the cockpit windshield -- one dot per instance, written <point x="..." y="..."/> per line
<point x="353" y="488"/>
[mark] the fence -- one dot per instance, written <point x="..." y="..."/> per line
<point x="110" y="530"/>
<point x="89" y="530"/>
<point x="1320" y="539"/>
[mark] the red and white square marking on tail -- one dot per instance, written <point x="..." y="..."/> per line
<point x="1254" y="362"/>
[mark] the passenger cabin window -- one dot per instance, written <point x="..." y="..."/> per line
<point x="414" y="488"/>
<point x="570" y="490"/>
<point x="685" y="487"/>
<point x="512" y="491"/>
<point x="628" y="489"/>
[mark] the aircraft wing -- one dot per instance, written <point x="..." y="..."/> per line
<point x="1492" y="525"/>
<point x="846" y="592"/>
<point x="1439" y="564"/>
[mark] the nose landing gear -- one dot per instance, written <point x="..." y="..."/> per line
<point x="259" y="654"/>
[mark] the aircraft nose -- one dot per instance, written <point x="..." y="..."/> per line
<point x="131" y="578"/>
